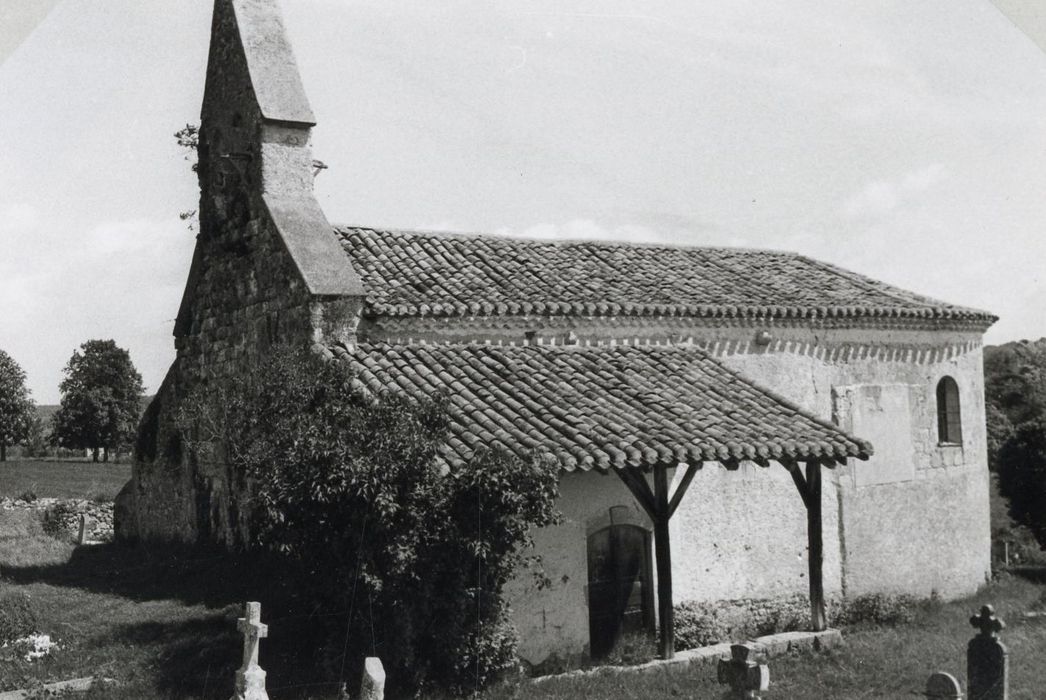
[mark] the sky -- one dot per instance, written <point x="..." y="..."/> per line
<point x="905" y="141"/>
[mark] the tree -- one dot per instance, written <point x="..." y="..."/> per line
<point x="348" y="488"/>
<point x="101" y="399"/>
<point x="16" y="407"/>
<point x="1022" y="475"/>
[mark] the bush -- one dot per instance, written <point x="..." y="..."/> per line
<point x="17" y="617"/>
<point x="877" y="609"/>
<point x="29" y="495"/>
<point x="349" y="488"/>
<point x="699" y="624"/>
<point x="60" y="520"/>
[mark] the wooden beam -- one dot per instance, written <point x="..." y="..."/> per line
<point x="815" y="539"/>
<point x="640" y="489"/>
<point x="663" y="549"/>
<point x="800" y="482"/>
<point x="677" y="497"/>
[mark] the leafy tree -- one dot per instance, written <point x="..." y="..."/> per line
<point x="1022" y="475"/>
<point x="101" y="399"/>
<point x="350" y="487"/>
<point x="36" y="442"/>
<point x="1015" y="392"/>
<point x="16" y="407"/>
<point x="1000" y="431"/>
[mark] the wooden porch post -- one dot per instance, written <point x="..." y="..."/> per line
<point x="815" y="539"/>
<point x="663" y="550"/>
<point x="810" y="490"/>
<point x="659" y="507"/>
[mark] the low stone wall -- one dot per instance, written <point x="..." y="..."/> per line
<point x="62" y="515"/>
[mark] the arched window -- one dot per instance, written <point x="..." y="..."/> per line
<point x="949" y="419"/>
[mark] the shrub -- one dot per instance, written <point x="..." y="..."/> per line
<point x="877" y="609"/>
<point x="17" y="617"/>
<point x="60" y="520"/>
<point x="350" y="489"/>
<point x="700" y="624"/>
<point x="29" y="495"/>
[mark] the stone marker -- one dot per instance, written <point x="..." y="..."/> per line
<point x="943" y="686"/>
<point x="250" y="678"/>
<point x="987" y="661"/>
<point x="81" y="537"/>
<point x="372" y="685"/>
<point x="744" y="676"/>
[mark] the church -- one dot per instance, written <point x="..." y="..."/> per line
<point x="730" y="424"/>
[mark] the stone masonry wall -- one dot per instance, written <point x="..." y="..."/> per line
<point x="267" y="272"/>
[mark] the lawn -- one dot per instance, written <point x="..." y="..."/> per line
<point x="162" y="623"/>
<point x="62" y="479"/>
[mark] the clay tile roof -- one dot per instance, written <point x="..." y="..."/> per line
<point x="408" y="273"/>
<point x="601" y="407"/>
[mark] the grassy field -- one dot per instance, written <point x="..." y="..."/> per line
<point x="162" y="623"/>
<point x="62" y="479"/>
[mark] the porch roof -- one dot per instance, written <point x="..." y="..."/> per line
<point x="600" y="407"/>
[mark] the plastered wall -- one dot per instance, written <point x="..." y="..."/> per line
<point x="554" y="621"/>
<point x="912" y="519"/>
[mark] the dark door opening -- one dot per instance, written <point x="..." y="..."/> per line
<point x="620" y="591"/>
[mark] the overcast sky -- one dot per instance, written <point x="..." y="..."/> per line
<point x="904" y="140"/>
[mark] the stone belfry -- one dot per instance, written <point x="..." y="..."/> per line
<point x="267" y="271"/>
<point x="267" y="266"/>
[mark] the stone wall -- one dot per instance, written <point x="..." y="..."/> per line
<point x="267" y="271"/>
<point x="66" y="512"/>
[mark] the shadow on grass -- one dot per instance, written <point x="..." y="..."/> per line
<point x="196" y="657"/>
<point x="192" y="575"/>
<point x="1035" y="574"/>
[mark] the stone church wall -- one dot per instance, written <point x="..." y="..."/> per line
<point x="267" y="272"/>
<point x="912" y="519"/>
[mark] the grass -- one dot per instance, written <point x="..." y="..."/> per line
<point x="875" y="662"/>
<point x="162" y="622"/>
<point x="62" y="479"/>
<point x="163" y="625"/>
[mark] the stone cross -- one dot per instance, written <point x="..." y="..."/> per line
<point x="745" y="677"/>
<point x="372" y="685"/>
<point x="250" y="678"/>
<point x="987" y="661"/>
<point x="943" y="686"/>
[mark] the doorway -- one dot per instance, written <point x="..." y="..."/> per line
<point x="620" y="588"/>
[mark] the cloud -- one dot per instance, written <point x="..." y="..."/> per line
<point x="61" y="287"/>
<point x="882" y="197"/>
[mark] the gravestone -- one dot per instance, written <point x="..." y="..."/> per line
<point x="943" y="686"/>
<point x="987" y="661"/>
<point x="250" y="678"/>
<point x="372" y="685"/>
<point x="81" y="537"/>
<point x="745" y="677"/>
